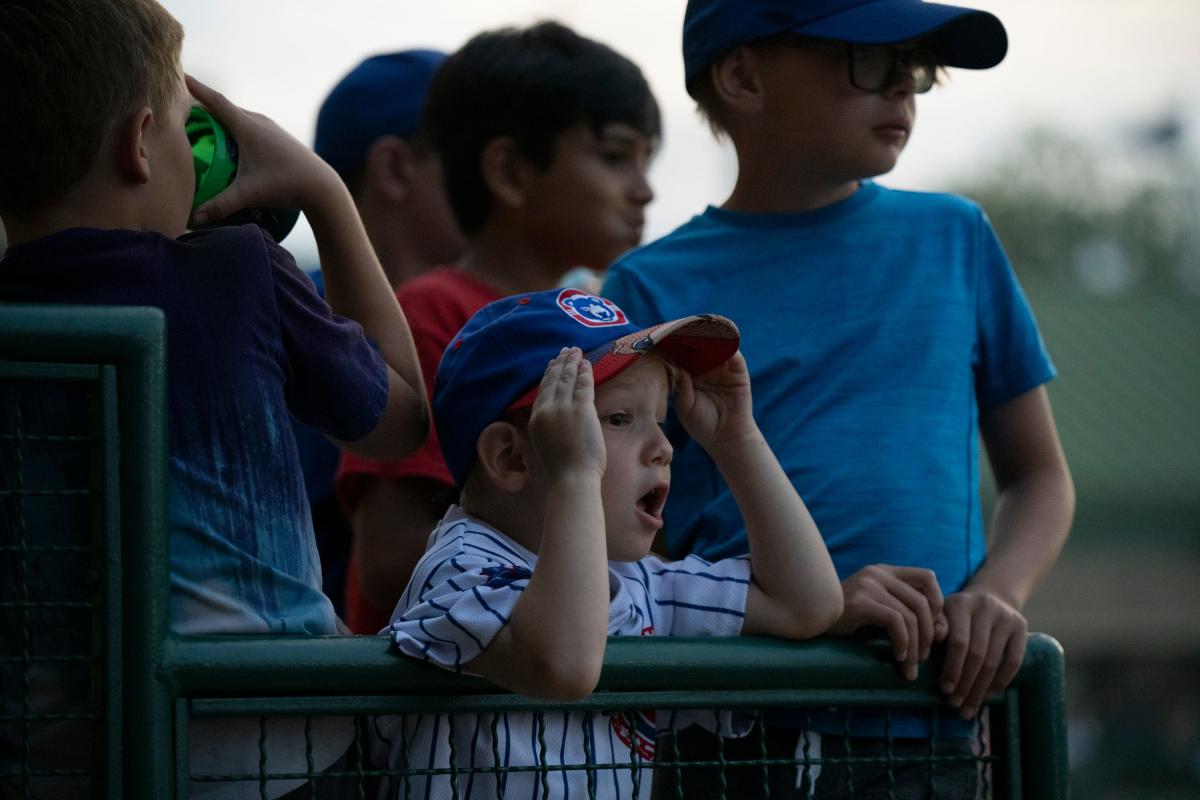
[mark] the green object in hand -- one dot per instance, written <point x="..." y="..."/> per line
<point x="215" y="160"/>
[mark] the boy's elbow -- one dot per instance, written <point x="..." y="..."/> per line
<point x="818" y="616"/>
<point x="400" y="432"/>
<point x="566" y="679"/>
<point x="820" y="613"/>
<point x="831" y="611"/>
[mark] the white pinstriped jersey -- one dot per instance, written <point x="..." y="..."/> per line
<point x="462" y="593"/>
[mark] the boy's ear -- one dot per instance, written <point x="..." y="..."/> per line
<point x="389" y="166"/>
<point x="503" y="452"/>
<point x="503" y="168"/>
<point x="736" y="81"/>
<point x="132" y="145"/>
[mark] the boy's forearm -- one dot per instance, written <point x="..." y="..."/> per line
<point x="1029" y="528"/>
<point x="553" y="644"/>
<point x="355" y="285"/>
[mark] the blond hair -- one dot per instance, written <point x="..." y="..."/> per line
<point x="69" y="71"/>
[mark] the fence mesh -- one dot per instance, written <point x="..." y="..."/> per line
<point x="596" y="752"/>
<point x="51" y="568"/>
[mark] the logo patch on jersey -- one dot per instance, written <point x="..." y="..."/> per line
<point x="637" y="731"/>
<point x="589" y="310"/>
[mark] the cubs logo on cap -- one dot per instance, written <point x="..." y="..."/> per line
<point x="589" y="310"/>
<point x="495" y="363"/>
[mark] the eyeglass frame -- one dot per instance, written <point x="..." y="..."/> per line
<point x="898" y="56"/>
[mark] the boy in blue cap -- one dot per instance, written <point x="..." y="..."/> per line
<point x="564" y="471"/>
<point x="908" y="337"/>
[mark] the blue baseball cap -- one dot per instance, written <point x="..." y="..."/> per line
<point x="964" y="37"/>
<point x="382" y="96"/>
<point x="496" y="362"/>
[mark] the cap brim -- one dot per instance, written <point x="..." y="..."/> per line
<point x="698" y="344"/>
<point x="965" y="37"/>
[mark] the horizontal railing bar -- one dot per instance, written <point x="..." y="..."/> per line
<point x="745" y="700"/>
<point x="264" y="666"/>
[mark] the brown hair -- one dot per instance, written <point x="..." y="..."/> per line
<point x="69" y="71"/>
<point x="708" y="104"/>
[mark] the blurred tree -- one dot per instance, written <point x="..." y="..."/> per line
<point x="1112" y="223"/>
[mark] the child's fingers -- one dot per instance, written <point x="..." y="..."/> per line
<point x="941" y="627"/>
<point x="685" y="390"/>
<point x="584" y="383"/>
<point x="993" y="662"/>
<point x="221" y="107"/>
<point x="219" y="207"/>
<point x="957" y="641"/>
<point x="569" y="375"/>
<point x="980" y="645"/>
<point x="551" y="378"/>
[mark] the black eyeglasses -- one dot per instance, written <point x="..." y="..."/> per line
<point x="875" y="67"/>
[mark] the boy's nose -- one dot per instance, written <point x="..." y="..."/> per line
<point x="903" y="83"/>
<point x="641" y="192"/>
<point x="660" y="450"/>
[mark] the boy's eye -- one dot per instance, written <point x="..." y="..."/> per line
<point x="619" y="419"/>
<point x="614" y="157"/>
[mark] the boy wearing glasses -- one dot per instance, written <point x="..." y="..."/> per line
<point x="911" y="338"/>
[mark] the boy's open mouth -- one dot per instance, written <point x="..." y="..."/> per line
<point x="653" y="501"/>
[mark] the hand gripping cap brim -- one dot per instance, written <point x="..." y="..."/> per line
<point x="698" y="344"/>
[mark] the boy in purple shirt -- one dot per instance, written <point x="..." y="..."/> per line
<point x="96" y="187"/>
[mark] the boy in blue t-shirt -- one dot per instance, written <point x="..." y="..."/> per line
<point x="908" y="336"/>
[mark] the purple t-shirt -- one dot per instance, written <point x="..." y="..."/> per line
<point x="248" y="341"/>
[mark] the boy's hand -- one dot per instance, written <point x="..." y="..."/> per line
<point x="274" y="168"/>
<point x="905" y="601"/>
<point x="716" y="408"/>
<point x="563" y="424"/>
<point x="985" y="647"/>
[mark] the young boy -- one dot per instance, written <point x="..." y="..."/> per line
<point x="908" y="337"/>
<point x="545" y="137"/>
<point x="96" y="186"/>
<point x="563" y="483"/>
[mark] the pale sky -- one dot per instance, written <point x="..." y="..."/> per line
<point x="1094" y="68"/>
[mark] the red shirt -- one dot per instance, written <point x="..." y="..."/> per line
<point x="437" y="305"/>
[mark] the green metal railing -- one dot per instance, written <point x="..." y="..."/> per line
<point x="82" y="458"/>
<point x="146" y="688"/>
<point x="315" y="677"/>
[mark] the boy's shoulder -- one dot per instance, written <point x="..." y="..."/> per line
<point x="924" y="201"/>
<point x="136" y="252"/>
<point x="708" y="234"/>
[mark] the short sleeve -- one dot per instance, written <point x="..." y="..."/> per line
<point x="1012" y="357"/>
<point x="461" y="602"/>
<point x="336" y="381"/>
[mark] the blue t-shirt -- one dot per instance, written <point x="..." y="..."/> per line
<point x="248" y="340"/>
<point x="875" y="331"/>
